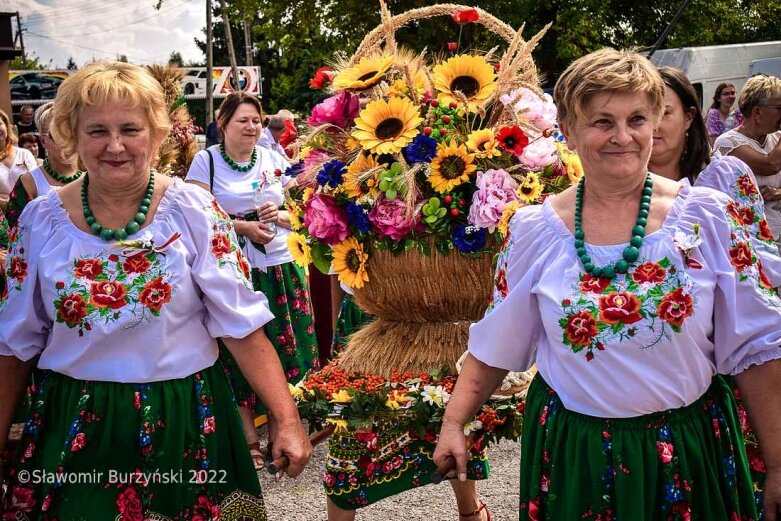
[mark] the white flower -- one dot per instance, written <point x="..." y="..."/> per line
<point x="472" y="426"/>
<point x="687" y="243"/>
<point x="145" y="241"/>
<point x="435" y="395"/>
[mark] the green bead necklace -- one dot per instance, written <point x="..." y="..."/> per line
<point x="234" y="165"/>
<point x="120" y="234"/>
<point x="631" y="253"/>
<point x="64" y="179"/>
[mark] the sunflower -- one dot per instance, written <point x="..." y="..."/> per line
<point x="349" y="262"/>
<point x="472" y="76"/>
<point x="368" y="72"/>
<point x="530" y="188"/>
<point x="356" y="183"/>
<point x="451" y="167"/>
<point x="299" y="249"/>
<point x="483" y="143"/>
<point x="400" y="87"/>
<point x="387" y="126"/>
<point x="571" y="162"/>
<point x="295" y="212"/>
<point x="507" y="214"/>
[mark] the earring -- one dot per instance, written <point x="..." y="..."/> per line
<point x="685" y="144"/>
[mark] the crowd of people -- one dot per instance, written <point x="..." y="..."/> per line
<point x="147" y="322"/>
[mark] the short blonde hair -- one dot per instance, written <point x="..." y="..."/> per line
<point x="606" y="70"/>
<point x="107" y="82"/>
<point x="10" y="131"/>
<point x="757" y="90"/>
<point x="43" y="117"/>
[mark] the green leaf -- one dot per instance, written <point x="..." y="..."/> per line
<point x="431" y="219"/>
<point x="441" y="213"/>
<point x="391" y="194"/>
<point x="664" y="263"/>
<point x="409" y="244"/>
<point x="433" y="203"/>
<point x="321" y="257"/>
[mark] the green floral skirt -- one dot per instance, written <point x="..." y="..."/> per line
<point x="350" y="319"/>
<point x="681" y="464"/>
<point x="171" y="450"/>
<point x="292" y="332"/>
<point x="362" y="468"/>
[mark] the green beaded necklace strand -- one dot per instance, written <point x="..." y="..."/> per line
<point x="631" y="253"/>
<point x="64" y="179"/>
<point x="120" y="234"/>
<point x="234" y="165"/>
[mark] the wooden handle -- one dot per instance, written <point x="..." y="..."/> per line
<point x="282" y="462"/>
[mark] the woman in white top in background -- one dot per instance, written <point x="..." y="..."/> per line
<point x="14" y="161"/>
<point x="54" y="171"/>
<point x="248" y="181"/>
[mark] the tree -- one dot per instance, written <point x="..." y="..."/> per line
<point x="30" y="62"/>
<point x="122" y="58"/>
<point x="175" y="59"/>
<point x="71" y="64"/>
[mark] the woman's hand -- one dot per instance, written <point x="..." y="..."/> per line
<point x="772" y="495"/>
<point x="290" y="439"/>
<point x="254" y="231"/>
<point x="268" y="212"/>
<point x="451" y="454"/>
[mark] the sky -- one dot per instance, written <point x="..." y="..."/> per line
<point x="104" y="29"/>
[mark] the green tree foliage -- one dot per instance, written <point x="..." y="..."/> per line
<point x="175" y="59"/>
<point x="71" y="66"/>
<point x="29" y="62"/>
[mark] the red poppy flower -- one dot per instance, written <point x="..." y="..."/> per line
<point x="108" y="294"/>
<point x="138" y="263"/>
<point x="675" y="307"/>
<point x="740" y="256"/>
<point x="88" y="268"/>
<point x="581" y="328"/>
<point x="466" y="16"/>
<point x="649" y="272"/>
<point x="72" y="309"/>
<point x="221" y="245"/>
<point x="18" y="269"/>
<point x="746" y="185"/>
<point x="512" y="139"/>
<point x="323" y="77"/>
<point x="155" y="293"/>
<point x="619" y="306"/>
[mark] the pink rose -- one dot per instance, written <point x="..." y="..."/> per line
<point x="339" y="110"/>
<point x="665" y="451"/>
<point x="326" y="220"/>
<point x="495" y="189"/>
<point x="390" y="218"/>
<point x="79" y="442"/>
<point x="208" y="425"/>
<point x="539" y="153"/>
<point x="540" y="110"/>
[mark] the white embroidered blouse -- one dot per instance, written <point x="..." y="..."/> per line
<point x="144" y="311"/>
<point x="695" y="304"/>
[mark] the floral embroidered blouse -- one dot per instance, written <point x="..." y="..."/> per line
<point x="234" y="192"/>
<point x="717" y="126"/>
<point x="696" y="303"/>
<point x="144" y="310"/>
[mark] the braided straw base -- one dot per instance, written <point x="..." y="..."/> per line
<point x="423" y="307"/>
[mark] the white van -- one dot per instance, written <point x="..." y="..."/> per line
<point x="706" y="67"/>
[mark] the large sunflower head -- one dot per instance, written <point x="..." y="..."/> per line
<point x="368" y="72"/>
<point x="530" y="188"/>
<point x="483" y="143"/>
<point x="472" y="76"/>
<point x="299" y="249"/>
<point x="349" y="262"/>
<point x="387" y="126"/>
<point x="451" y="167"/>
<point x="360" y="184"/>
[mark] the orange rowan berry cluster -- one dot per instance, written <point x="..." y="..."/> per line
<point x="490" y="420"/>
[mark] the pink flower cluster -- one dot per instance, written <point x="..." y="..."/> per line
<point x="539" y="153"/>
<point x="541" y="111"/>
<point x="495" y="190"/>
<point x="390" y="218"/>
<point x="326" y="220"/>
<point x="339" y="110"/>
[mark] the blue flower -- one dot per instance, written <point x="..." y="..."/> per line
<point x="469" y="239"/>
<point x="422" y="149"/>
<point x="331" y="174"/>
<point x="358" y="217"/>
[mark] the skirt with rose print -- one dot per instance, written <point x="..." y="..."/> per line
<point x="682" y="464"/>
<point x="350" y="319"/>
<point x="171" y="450"/>
<point x="364" y="467"/>
<point x="292" y="332"/>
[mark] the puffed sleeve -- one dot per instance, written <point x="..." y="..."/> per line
<point x="199" y="168"/>
<point x="220" y="270"/>
<point x="25" y="325"/>
<point x="746" y="310"/>
<point x="711" y="122"/>
<point x="507" y="335"/>
<point x="28" y="159"/>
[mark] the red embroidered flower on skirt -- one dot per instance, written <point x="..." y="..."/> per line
<point x="129" y="505"/>
<point x="79" y="442"/>
<point x="619" y="306"/>
<point x="665" y="451"/>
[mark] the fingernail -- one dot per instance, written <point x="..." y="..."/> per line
<point x="279" y="476"/>
<point x="462" y="477"/>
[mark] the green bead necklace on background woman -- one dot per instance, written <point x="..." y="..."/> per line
<point x="64" y="179"/>
<point x="234" y="165"/>
<point x="130" y="228"/>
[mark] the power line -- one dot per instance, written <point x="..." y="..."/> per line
<point x="121" y="9"/>
<point x="85" y="47"/>
<point x="70" y="10"/>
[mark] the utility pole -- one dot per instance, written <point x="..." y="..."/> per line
<point x="209" y="64"/>
<point x="247" y="44"/>
<point x="229" y="41"/>
<point x="21" y="37"/>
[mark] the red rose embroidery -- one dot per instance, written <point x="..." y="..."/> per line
<point x="649" y="272"/>
<point x="218" y="210"/>
<point x="221" y="245"/>
<point x="620" y="307"/>
<point x="764" y="231"/>
<point x="22" y="499"/>
<point x="746" y="215"/>
<point x="79" y="442"/>
<point x="13" y="234"/>
<point x="581" y="328"/>
<point x="155" y="293"/>
<point x="675" y="307"/>
<point x="208" y="425"/>
<point x="740" y="256"/>
<point x="129" y="505"/>
<point x="746" y="185"/>
<point x="243" y="264"/>
<point x="138" y="263"/>
<point x="72" y="309"/>
<point x="206" y="510"/>
<point x="108" y="294"/>
<point x="466" y="16"/>
<point x="88" y="268"/>
<point x="591" y="284"/>
<point x="501" y="283"/>
<point x="733" y="210"/>
<point x="18" y="269"/>
<point x="764" y="282"/>
<point x="665" y="451"/>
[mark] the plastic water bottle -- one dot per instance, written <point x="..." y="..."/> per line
<point x="259" y="199"/>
